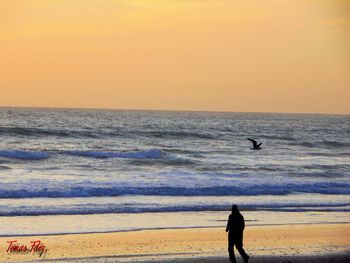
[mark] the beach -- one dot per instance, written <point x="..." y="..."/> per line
<point x="278" y="243"/>
<point x="140" y="131"/>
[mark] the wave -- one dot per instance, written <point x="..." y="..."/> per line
<point x="147" y="154"/>
<point x="335" y="144"/>
<point x="176" y="134"/>
<point x="86" y="209"/>
<point x="305" y="144"/>
<point x="25" y="155"/>
<point x="341" y="154"/>
<point x="170" y="160"/>
<point x="324" y="167"/>
<point x="100" y="133"/>
<point x="277" y="137"/>
<point x="322" y="144"/>
<point x="150" y="154"/>
<point x="79" y="133"/>
<point x="35" y="132"/>
<point x="335" y="188"/>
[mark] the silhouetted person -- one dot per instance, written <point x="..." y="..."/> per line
<point x="235" y="227"/>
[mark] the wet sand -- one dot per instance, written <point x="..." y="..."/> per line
<point x="284" y="243"/>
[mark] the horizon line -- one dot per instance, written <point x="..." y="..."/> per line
<point x="171" y="110"/>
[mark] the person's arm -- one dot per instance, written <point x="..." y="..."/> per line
<point x="243" y="223"/>
<point x="228" y="224"/>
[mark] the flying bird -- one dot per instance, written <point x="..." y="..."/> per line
<point x="256" y="146"/>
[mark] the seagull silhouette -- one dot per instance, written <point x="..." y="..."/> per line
<point x="255" y="144"/>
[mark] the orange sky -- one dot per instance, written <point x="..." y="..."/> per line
<point x="217" y="55"/>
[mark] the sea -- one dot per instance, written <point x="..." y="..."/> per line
<point x="130" y="170"/>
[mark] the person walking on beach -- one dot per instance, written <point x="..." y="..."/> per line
<point x="235" y="227"/>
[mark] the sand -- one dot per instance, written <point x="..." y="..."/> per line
<point x="284" y="243"/>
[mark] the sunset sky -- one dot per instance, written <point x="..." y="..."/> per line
<point x="215" y="55"/>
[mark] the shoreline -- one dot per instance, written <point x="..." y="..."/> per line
<point x="53" y="225"/>
<point x="167" y="228"/>
<point x="322" y="241"/>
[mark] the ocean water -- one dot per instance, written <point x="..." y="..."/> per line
<point x="85" y="162"/>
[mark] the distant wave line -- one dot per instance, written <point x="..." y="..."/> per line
<point x="249" y="190"/>
<point x="104" y="132"/>
<point x="40" y="155"/>
<point x="115" y="208"/>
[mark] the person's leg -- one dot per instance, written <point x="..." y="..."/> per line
<point x="239" y="246"/>
<point x="230" y="249"/>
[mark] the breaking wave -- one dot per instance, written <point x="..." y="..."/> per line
<point x="277" y="137"/>
<point x="77" y="209"/>
<point x="322" y="144"/>
<point x="101" y="133"/>
<point x="250" y="190"/>
<point x="148" y="154"/>
<point x="139" y="155"/>
<point x="25" y="155"/>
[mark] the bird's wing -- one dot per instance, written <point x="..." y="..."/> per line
<point x="259" y="144"/>
<point x="253" y="141"/>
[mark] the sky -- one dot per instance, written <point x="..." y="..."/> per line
<point x="206" y="55"/>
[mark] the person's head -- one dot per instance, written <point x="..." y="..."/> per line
<point x="234" y="209"/>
